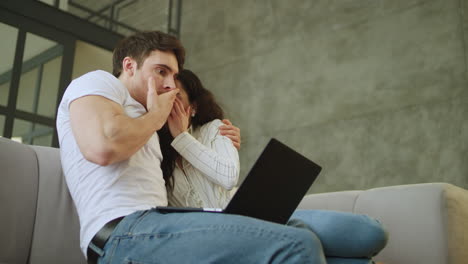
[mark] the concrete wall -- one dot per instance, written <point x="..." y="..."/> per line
<point x="373" y="90"/>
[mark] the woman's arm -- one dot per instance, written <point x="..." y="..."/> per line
<point x="219" y="161"/>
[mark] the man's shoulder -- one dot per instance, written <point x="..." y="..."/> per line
<point x="96" y="75"/>
<point x="97" y="82"/>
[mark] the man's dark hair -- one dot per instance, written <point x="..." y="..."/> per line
<point x="140" y="45"/>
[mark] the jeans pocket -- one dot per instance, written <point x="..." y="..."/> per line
<point x="137" y="220"/>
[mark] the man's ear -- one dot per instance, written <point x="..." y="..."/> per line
<point x="128" y="66"/>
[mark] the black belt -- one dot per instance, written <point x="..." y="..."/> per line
<point x="101" y="238"/>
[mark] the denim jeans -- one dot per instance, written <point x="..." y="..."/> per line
<point x="345" y="237"/>
<point x="153" y="237"/>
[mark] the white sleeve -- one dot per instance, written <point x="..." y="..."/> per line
<point x="94" y="83"/>
<point x="219" y="162"/>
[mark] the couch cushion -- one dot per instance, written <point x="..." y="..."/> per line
<point x="18" y="194"/>
<point x="56" y="233"/>
<point x="338" y="201"/>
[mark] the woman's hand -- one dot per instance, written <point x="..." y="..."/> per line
<point x="178" y="120"/>
<point x="232" y="132"/>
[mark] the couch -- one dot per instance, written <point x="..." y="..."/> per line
<point x="427" y="223"/>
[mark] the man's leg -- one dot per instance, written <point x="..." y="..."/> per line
<point x="350" y="261"/>
<point x="152" y="237"/>
<point x="344" y="234"/>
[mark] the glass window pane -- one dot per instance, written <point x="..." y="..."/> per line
<point x="9" y="35"/>
<point x="26" y="90"/>
<point x="62" y="4"/>
<point x="49" y="87"/>
<point x="43" y="136"/>
<point x="152" y="17"/>
<point x="2" y="124"/>
<point x="90" y="58"/>
<point x="30" y="133"/>
<point x="40" y="76"/>
<point x="21" y="129"/>
<point x="120" y="16"/>
<point x="5" y="89"/>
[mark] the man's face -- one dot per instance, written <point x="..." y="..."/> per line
<point x="163" y="67"/>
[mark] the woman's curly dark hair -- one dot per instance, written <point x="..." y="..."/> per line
<point x="207" y="109"/>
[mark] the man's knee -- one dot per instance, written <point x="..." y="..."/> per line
<point x="308" y="245"/>
<point x="307" y="239"/>
<point x="376" y="235"/>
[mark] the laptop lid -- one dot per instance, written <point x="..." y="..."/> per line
<point x="275" y="185"/>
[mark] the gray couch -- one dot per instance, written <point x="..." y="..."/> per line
<point x="428" y="223"/>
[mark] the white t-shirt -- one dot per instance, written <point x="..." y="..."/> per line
<point x="210" y="168"/>
<point x="103" y="193"/>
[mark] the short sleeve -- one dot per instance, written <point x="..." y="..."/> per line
<point x="95" y="83"/>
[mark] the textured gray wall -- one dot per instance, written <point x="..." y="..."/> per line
<point x="373" y="90"/>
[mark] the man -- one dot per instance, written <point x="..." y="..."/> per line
<point x="111" y="160"/>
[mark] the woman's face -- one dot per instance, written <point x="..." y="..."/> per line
<point x="182" y="95"/>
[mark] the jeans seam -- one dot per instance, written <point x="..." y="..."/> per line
<point x="201" y="229"/>
<point x="297" y="245"/>
<point x="136" y="222"/>
<point x="301" y="247"/>
<point x="111" y="251"/>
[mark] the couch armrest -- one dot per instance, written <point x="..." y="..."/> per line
<point x="56" y="236"/>
<point x="427" y="223"/>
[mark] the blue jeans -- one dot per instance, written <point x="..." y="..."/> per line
<point x="153" y="237"/>
<point x="345" y="237"/>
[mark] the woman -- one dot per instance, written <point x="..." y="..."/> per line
<point x="200" y="165"/>
<point x="203" y="166"/>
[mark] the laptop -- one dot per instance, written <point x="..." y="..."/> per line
<point x="273" y="188"/>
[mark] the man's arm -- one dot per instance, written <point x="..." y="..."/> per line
<point x="105" y="134"/>
<point x="232" y="132"/>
